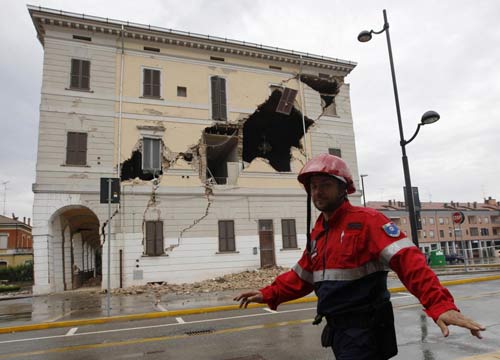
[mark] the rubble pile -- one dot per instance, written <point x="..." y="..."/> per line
<point x="254" y="279"/>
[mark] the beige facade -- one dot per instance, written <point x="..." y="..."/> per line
<point x="193" y="127"/>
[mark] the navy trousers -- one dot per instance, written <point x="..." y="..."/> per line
<point x="355" y="344"/>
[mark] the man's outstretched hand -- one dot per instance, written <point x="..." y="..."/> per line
<point x="453" y="317"/>
<point x="249" y="297"/>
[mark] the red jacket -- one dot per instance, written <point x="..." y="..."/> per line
<point x="348" y="264"/>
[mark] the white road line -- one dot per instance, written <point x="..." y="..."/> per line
<point x="158" y="326"/>
<point x="402" y="296"/>
<point x="180" y="320"/>
<point x="71" y="332"/>
<point x="269" y="310"/>
<point x="161" y="307"/>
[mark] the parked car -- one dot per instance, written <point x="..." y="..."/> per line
<point x="454" y="258"/>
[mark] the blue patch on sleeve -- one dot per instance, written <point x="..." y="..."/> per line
<point x="391" y="229"/>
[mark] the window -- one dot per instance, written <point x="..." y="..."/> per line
<point x="431" y="221"/>
<point x="226" y="236"/>
<point x="423" y="221"/>
<point x="217" y="58"/>
<point x="154" y="238"/>
<point x="76" y="148"/>
<point x="404" y="220"/>
<point x="151" y="155"/>
<point x="431" y="233"/>
<point x="335" y="151"/>
<point x="151" y="83"/>
<point x="3" y="241"/>
<point x="80" y="74"/>
<point x="472" y="219"/>
<point x="181" y="91"/>
<point x="486" y="220"/>
<point x="446" y="220"/>
<point x="328" y="105"/>
<point x="289" y="233"/>
<point x="153" y="49"/>
<point x="441" y="221"/>
<point x="219" y="107"/>
<point x="441" y="233"/>
<point x="84" y="38"/>
<point x="474" y="231"/>
<point x="485" y="232"/>
<point x="424" y="234"/>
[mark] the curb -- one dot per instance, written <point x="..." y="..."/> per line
<point x="157" y="315"/>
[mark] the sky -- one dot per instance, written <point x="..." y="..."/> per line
<point x="446" y="56"/>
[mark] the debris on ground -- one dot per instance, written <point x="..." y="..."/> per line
<point x="250" y="279"/>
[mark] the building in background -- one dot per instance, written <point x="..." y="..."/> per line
<point x="206" y="134"/>
<point x="16" y="244"/>
<point x="479" y="234"/>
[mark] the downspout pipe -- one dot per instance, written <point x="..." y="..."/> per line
<point x="302" y="98"/>
<point x="120" y="106"/>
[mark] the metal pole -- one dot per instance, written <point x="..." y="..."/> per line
<point x="363" y="186"/>
<point x="108" y="295"/>
<point x="4" y="195"/>
<point x="406" y="169"/>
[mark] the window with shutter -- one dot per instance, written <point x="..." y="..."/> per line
<point x="226" y="236"/>
<point x="154" y="238"/>
<point x="80" y="74"/>
<point x="151" y="155"/>
<point x="219" y="103"/>
<point x="335" y="151"/>
<point x="76" y="148"/>
<point x="289" y="233"/>
<point x="151" y="83"/>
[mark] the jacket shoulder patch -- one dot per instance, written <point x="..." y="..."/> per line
<point x="391" y="229"/>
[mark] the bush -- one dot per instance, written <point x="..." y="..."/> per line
<point x="8" y="288"/>
<point x="17" y="273"/>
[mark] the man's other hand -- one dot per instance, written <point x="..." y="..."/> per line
<point x="453" y="317"/>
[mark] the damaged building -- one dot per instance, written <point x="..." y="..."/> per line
<point x="206" y="136"/>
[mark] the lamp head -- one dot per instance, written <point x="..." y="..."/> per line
<point x="363" y="175"/>
<point x="365" y="36"/>
<point x="429" y="117"/>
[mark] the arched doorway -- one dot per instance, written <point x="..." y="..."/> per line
<point x="75" y="249"/>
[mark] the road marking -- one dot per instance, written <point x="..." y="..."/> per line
<point x="269" y="310"/>
<point x="402" y="296"/>
<point x="161" y="307"/>
<point x="55" y="319"/>
<point x="150" y="340"/>
<point x="71" y="332"/>
<point x="180" y="320"/>
<point x="157" y="326"/>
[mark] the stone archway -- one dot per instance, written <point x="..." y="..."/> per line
<point x="75" y="248"/>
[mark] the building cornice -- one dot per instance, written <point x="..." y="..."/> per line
<point x="44" y="16"/>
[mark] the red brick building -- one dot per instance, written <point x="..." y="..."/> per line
<point x="479" y="233"/>
<point x="16" y="243"/>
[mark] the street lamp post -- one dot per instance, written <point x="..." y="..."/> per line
<point x="428" y="117"/>
<point x="363" y="186"/>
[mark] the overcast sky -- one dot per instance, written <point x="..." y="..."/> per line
<point x="446" y="56"/>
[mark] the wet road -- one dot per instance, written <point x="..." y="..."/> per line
<point x="257" y="334"/>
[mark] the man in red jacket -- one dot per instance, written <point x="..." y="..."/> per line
<point x="348" y="254"/>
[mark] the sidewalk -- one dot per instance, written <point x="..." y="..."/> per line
<point x="80" y="306"/>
